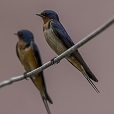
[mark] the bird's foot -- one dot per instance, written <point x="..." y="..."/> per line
<point x="53" y="62"/>
<point x="25" y="75"/>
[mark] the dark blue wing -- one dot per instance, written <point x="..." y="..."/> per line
<point x="61" y="33"/>
<point x="39" y="62"/>
<point x="38" y="58"/>
<point x="59" y="30"/>
<point x="37" y="54"/>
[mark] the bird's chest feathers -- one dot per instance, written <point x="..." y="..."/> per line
<point x="27" y="58"/>
<point x="53" y="41"/>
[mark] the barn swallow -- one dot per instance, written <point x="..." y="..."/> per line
<point x="59" y="40"/>
<point x="29" y="56"/>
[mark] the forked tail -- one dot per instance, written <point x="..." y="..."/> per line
<point x="89" y="80"/>
<point x="92" y="84"/>
<point x="46" y="105"/>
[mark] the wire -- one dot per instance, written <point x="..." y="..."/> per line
<point x="92" y="35"/>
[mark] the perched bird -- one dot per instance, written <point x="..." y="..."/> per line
<point x="59" y="40"/>
<point x="29" y="56"/>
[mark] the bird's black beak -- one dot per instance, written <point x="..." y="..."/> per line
<point x="15" y="34"/>
<point x="40" y="15"/>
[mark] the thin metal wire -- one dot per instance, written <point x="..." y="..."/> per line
<point x="61" y="56"/>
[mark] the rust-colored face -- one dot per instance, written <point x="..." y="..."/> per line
<point x="48" y="15"/>
<point x="44" y="16"/>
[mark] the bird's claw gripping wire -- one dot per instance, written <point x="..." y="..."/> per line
<point x="53" y="61"/>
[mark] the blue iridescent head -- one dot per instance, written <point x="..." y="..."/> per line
<point x="49" y="14"/>
<point x="25" y="35"/>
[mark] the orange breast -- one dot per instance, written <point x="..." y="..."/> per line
<point x="29" y="62"/>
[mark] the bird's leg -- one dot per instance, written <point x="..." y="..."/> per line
<point x="53" y="62"/>
<point x="25" y="75"/>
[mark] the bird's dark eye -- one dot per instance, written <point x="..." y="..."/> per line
<point x="45" y="13"/>
<point x="20" y="34"/>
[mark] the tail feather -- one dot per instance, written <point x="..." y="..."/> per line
<point x="85" y="71"/>
<point x="43" y="92"/>
<point x="92" y="84"/>
<point x="78" y="58"/>
<point x="90" y="74"/>
<point x="89" y="80"/>
<point x="46" y="105"/>
<point x="48" y="98"/>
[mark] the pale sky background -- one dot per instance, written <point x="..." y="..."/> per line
<point x="69" y="90"/>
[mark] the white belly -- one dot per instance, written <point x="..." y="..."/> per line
<point x="54" y="41"/>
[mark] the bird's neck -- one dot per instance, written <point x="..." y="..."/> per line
<point x="22" y="45"/>
<point x="46" y="25"/>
